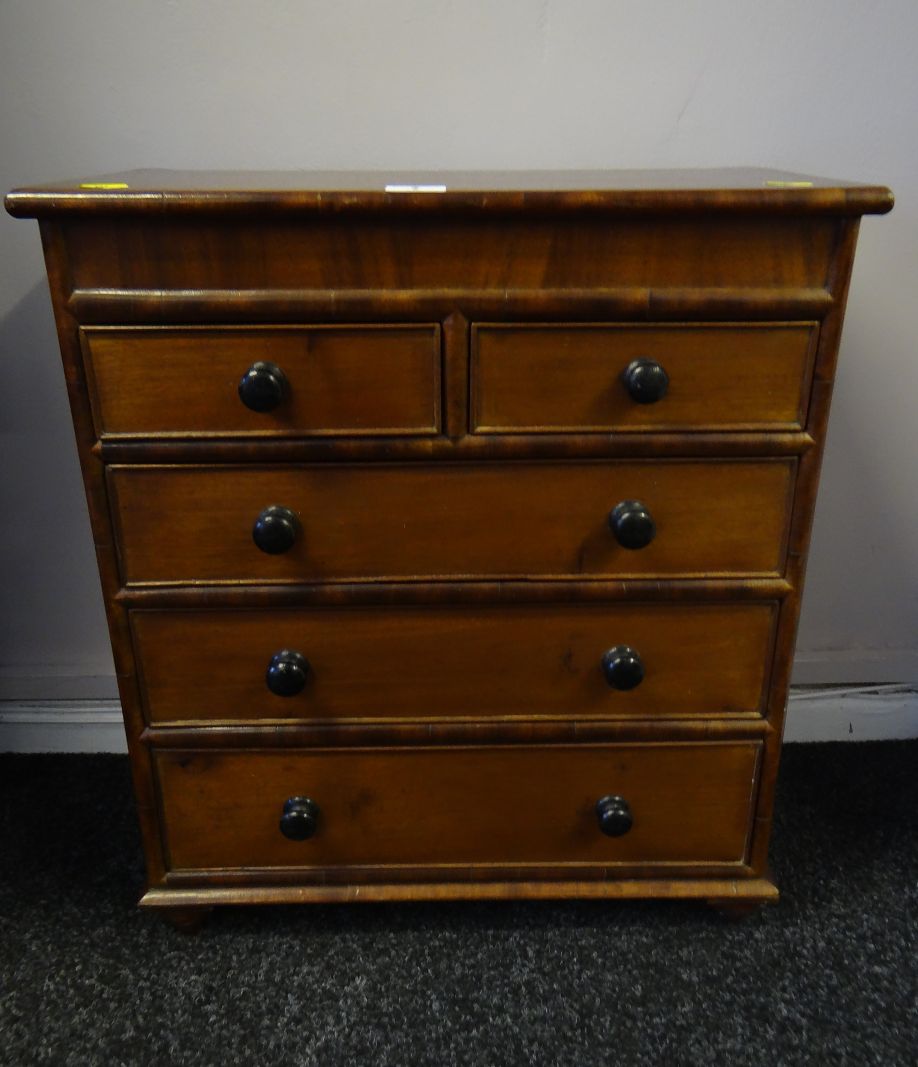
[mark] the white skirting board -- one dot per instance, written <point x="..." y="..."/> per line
<point x="852" y="712"/>
<point x="815" y="713"/>
<point x="61" y="726"/>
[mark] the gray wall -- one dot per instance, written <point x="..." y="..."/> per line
<point x="826" y="86"/>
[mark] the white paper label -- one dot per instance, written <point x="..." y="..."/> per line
<point x="415" y="188"/>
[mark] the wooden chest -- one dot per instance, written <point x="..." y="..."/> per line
<point x="452" y="535"/>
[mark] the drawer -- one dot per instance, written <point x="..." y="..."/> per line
<point x="505" y="806"/>
<point x="545" y="378"/>
<point x="332" y="380"/>
<point x="359" y="522"/>
<point x="455" y="662"/>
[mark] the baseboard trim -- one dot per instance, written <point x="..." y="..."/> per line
<point x="852" y="713"/>
<point x="855" y="667"/>
<point x="815" y="713"/>
<point x="61" y="726"/>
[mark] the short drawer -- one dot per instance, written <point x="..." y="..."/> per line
<point x="497" y="806"/>
<point x="550" y="379"/>
<point x="426" y="662"/>
<point x="310" y="380"/>
<point x="452" y="520"/>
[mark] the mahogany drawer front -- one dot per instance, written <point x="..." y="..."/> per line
<point x="472" y="251"/>
<point x="548" y="378"/>
<point x="507" y="805"/>
<point x="450" y="520"/>
<point x="335" y="380"/>
<point x="454" y="662"/>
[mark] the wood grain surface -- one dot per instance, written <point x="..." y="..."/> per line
<point x="551" y="378"/>
<point x="449" y="521"/>
<point x="354" y="380"/>
<point x="394" y="253"/>
<point x="525" y="804"/>
<point x="457" y="661"/>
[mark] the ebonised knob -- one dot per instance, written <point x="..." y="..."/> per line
<point x="622" y="667"/>
<point x="645" y="380"/>
<point x="263" y="386"/>
<point x="287" y="673"/>
<point x="300" y="818"/>
<point x="275" y="530"/>
<point x="614" y="816"/>
<point x="632" y="524"/>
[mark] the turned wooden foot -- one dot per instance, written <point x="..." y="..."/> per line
<point x="734" y="910"/>
<point x="187" y="920"/>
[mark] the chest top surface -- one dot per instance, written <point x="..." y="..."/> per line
<point x="727" y="189"/>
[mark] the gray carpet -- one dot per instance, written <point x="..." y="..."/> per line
<point x="828" y="976"/>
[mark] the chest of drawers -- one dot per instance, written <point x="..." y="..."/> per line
<point x="452" y="538"/>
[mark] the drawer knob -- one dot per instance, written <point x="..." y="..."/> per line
<point x="287" y="673"/>
<point x="622" y="667"/>
<point x="632" y="524"/>
<point x="614" y="816"/>
<point x="275" y="530"/>
<point x="646" y="381"/>
<point x="263" y="387"/>
<point x="300" y="818"/>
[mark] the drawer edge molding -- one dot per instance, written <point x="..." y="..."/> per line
<point x="357" y="734"/>
<point x="206" y="595"/>
<point x="180" y="306"/>
<point x="195" y="451"/>
<point x="453" y="873"/>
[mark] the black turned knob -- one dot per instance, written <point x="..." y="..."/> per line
<point x="645" y="380"/>
<point x="287" y="673"/>
<point x="263" y="386"/>
<point x="275" y="530"/>
<point x="632" y="524"/>
<point x="300" y="818"/>
<point x="614" y="816"/>
<point x="622" y="667"/>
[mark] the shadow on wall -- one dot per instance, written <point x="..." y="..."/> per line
<point x="860" y="608"/>
<point x="52" y="622"/>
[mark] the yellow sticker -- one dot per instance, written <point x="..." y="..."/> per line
<point x="103" y="185"/>
<point x="789" y="185"/>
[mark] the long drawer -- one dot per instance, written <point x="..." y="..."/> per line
<point x="304" y="380"/>
<point x="523" y="519"/>
<point x="687" y="803"/>
<point x="455" y="662"/>
<point x="594" y="378"/>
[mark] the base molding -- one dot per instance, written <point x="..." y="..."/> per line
<point x="852" y="712"/>
<point x="61" y="726"/>
<point x="715" y="891"/>
<point x="815" y="713"/>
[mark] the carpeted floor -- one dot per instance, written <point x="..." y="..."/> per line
<point x="828" y="976"/>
